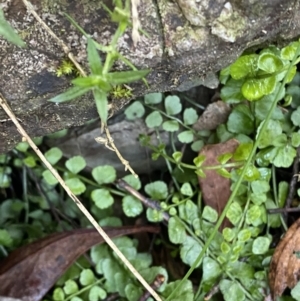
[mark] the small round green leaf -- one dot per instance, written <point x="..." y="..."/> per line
<point x="234" y="213"/>
<point x="153" y="98"/>
<point x="244" y="66"/>
<point x="210" y="214"/>
<point x="86" y="277"/>
<point x="186" y="137"/>
<point x="190" y="251"/>
<point x="197" y="145"/>
<point x="176" y="230"/>
<point x="170" y="126"/>
<point x="173" y="105"/>
<point x="75" y="164"/>
<point x="157" y="190"/>
<point x="133" y="181"/>
<point x="53" y="155"/>
<point x="58" y="294"/>
<point x="230" y="288"/>
<point x="154" y="216"/>
<point x="49" y="177"/>
<point x="97" y="293"/>
<point x="261" y="245"/>
<point x="70" y="287"/>
<point x="22" y="147"/>
<point x="190" y="116"/>
<point x="102" y="198"/>
<point x="104" y="174"/>
<point x="244" y="235"/>
<point x="295" y="117"/>
<point x="76" y="186"/>
<point x="135" y="110"/>
<point x="131" y="206"/>
<point x="153" y="120"/>
<point x="269" y="63"/>
<point x="186" y="189"/>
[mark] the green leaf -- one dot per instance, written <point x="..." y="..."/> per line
<point x="185" y="291"/>
<point x="102" y="198"/>
<point x="86" y="277"/>
<point x="254" y="89"/>
<point x="241" y="120"/>
<point x="75" y="164"/>
<point x="242" y="152"/>
<point x="76" y="186"/>
<point x="125" y="77"/>
<point x="260" y="187"/>
<point x="210" y="214"/>
<point x="228" y="234"/>
<point x="272" y="130"/>
<point x="234" y="213"/>
<point x="173" y="105"/>
<point x="94" y="58"/>
<point x="197" y="145"/>
<point x="295" y="139"/>
<point x="70" y="94"/>
<point x="5" y="238"/>
<point x="100" y="98"/>
<point x="224" y="158"/>
<point x="177" y="156"/>
<point x="230" y="288"/>
<point x="244" y="66"/>
<point x="251" y="174"/>
<point x="133" y="181"/>
<point x="53" y="155"/>
<point x="70" y="287"/>
<point x="186" y="136"/>
<point x="190" y="250"/>
<point x="157" y="190"/>
<point x="49" y="177"/>
<point x="8" y="32"/>
<point x="186" y="189"/>
<point x="190" y="116"/>
<point x="288" y="52"/>
<point x="269" y="63"/>
<point x="261" y="245"/>
<point x="97" y="293"/>
<point x="134" y="111"/>
<point x="132" y="207"/>
<point x="29" y="161"/>
<point x="285" y="156"/>
<point x="295" y="292"/>
<point x="253" y="214"/>
<point x="153" y="120"/>
<point x="153" y="98"/>
<point x="133" y="292"/>
<point x="176" y="230"/>
<point x="188" y="211"/>
<point x="110" y="221"/>
<point x="263" y="106"/>
<point x="91" y="82"/>
<point x="198" y="161"/>
<point x="283" y="189"/>
<point x="231" y="92"/>
<point x="22" y="146"/>
<point x="154" y="215"/>
<point x="170" y="126"/>
<point x="104" y="174"/>
<point x="211" y="272"/>
<point x="295" y="117"/>
<point x="244" y="235"/>
<point x="58" y="294"/>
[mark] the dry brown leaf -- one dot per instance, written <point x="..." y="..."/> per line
<point x="30" y="271"/>
<point x="215" y="188"/>
<point x="285" y="265"/>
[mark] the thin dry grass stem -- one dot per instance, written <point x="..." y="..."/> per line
<point x="109" y="143"/>
<point x="26" y="137"/>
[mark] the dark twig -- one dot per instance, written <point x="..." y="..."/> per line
<point x="294" y="180"/>
<point x="283" y="210"/>
<point x="147" y="202"/>
<point x="158" y="281"/>
<point x="212" y="292"/>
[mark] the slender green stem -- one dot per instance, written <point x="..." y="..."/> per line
<point x="239" y="182"/>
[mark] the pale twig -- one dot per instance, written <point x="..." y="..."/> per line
<point x="26" y="137"/>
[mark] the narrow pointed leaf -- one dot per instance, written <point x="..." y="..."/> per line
<point x="86" y="82"/>
<point x="94" y="58"/>
<point x="70" y="94"/>
<point x="8" y="32"/>
<point x="101" y="104"/>
<point x="117" y="78"/>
